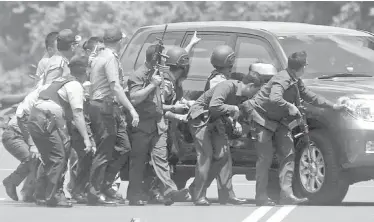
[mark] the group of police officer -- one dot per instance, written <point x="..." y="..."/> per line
<point x="81" y="105"/>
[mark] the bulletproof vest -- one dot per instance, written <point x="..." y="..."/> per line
<point x="51" y="93"/>
<point x="212" y="75"/>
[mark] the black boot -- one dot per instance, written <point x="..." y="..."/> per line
<point x="11" y="189"/>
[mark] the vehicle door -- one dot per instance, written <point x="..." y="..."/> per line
<point x="193" y="86"/>
<point x="250" y="49"/>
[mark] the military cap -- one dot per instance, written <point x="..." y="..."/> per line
<point x="113" y="34"/>
<point x="68" y="36"/>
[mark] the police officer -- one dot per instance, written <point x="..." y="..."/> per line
<point x="106" y="90"/>
<point x="60" y="103"/>
<point x="78" y="67"/>
<point x="211" y="137"/>
<point x="276" y="101"/>
<point x="222" y="59"/>
<point x="151" y="133"/>
<point x="26" y="152"/>
<point x="57" y="65"/>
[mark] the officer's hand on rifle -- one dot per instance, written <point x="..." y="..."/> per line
<point x="156" y="80"/>
<point x="88" y="146"/>
<point x="293" y="110"/>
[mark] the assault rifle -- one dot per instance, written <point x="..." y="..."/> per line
<point x="157" y="61"/>
<point x="301" y="122"/>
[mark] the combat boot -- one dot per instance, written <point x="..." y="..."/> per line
<point x="11" y="189"/>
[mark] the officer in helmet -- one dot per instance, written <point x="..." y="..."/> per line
<point x="150" y="136"/>
<point x="222" y="59"/>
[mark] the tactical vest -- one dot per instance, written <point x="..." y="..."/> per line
<point x="51" y="93"/>
<point x="212" y="75"/>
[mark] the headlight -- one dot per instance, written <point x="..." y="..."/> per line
<point x="362" y="108"/>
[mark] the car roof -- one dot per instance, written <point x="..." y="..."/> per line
<point x="277" y="28"/>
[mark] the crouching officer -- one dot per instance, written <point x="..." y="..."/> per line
<point x="26" y="152"/>
<point x="210" y="134"/>
<point x="60" y="103"/>
<point x="276" y="101"/>
<point x="151" y="134"/>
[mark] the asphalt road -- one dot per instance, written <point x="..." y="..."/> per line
<point x="357" y="206"/>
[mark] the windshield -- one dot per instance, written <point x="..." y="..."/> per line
<point x="333" y="54"/>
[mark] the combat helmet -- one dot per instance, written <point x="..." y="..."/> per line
<point x="177" y="56"/>
<point x="223" y="56"/>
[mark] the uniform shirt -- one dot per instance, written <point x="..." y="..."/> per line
<point x="72" y="93"/>
<point x="25" y="106"/>
<point x="57" y="67"/>
<point x="273" y="98"/>
<point x="150" y="109"/>
<point x="42" y="65"/>
<point x="219" y="100"/>
<point x="105" y="69"/>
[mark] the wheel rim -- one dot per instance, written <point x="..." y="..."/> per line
<point x="312" y="170"/>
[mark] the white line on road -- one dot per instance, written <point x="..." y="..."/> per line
<point x="257" y="214"/>
<point x="281" y="214"/>
<point x="1" y="199"/>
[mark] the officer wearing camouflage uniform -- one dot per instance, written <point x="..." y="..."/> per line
<point x="276" y="102"/>
<point x="107" y="95"/>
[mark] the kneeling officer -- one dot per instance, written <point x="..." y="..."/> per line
<point x="61" y="102"/>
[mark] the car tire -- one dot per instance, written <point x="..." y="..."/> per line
<point x="334" y="188"/>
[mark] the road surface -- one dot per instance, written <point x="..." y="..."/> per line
<point x="357" y="206"/>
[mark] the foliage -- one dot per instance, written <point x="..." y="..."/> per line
<point x="24" y="25"/>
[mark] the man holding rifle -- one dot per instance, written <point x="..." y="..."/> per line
<point x="275" y="102"/>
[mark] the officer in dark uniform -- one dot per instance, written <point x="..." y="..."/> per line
<point x="210" y="134"/>
<point x="107" y="95"/>
<point x="60" y="103"/>
<point x="275" y="101"/>
<point x="151" y="134"/>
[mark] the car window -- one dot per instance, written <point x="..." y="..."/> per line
<point x="201" y="52"/>
<point x="250" y="50"/>
<point x="130" y="54"/>
<point x="170" y="39"/>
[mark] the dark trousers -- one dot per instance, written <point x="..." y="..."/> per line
<point x="142" y="144"/>
<point x="54" y="148"/>
<point x="213" y="159"/>
<point x="81" y="168"/>
<point x="283" y="142"/>
<point x="121" y="151"/>
<point x="106" y="122"/>
<point x="15" y="144"/>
